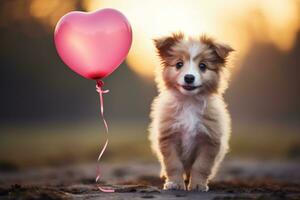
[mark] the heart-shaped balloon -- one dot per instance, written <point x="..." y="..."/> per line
<point x="93" y="44"/>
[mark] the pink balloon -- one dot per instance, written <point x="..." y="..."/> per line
<point x="93" y="44"/>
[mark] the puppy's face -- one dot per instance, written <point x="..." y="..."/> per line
<point x="191" y="66"/>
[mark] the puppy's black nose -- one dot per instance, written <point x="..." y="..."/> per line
<point x="189" y="78"/>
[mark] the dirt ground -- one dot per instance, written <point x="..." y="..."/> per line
<point x="237" y="179"/>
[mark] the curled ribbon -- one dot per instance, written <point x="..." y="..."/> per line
<point x="99" y="89"/>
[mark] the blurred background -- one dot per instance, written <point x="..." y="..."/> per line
<point x="50" y="116"/>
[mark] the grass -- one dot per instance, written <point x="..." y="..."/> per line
<point x="265" y="141"/>
<point x="54" y="144"/>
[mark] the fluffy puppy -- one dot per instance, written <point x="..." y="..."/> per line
<point x="190" y="125"/>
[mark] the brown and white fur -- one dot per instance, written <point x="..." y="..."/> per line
<point x="190" y="125"/>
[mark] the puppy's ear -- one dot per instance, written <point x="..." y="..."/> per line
<point x="164" y="44"/>
<point x="222" y="50"/>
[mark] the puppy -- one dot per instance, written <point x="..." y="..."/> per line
<point x="190" y="125"/>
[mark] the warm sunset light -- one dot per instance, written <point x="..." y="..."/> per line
<point x="49" y="12"/>
<point x="225" y="20"/>
<point x="239" y="23"/>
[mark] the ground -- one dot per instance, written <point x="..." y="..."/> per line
<point x="238" y="179"/>
<point x="46" y="162"/>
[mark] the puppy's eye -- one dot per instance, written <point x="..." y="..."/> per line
<point x="179" y="65"/>
<point x="202" y="67"/>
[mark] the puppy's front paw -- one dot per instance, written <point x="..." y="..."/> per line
<point x="198" y="187"/>
<point x="170" y="185"/>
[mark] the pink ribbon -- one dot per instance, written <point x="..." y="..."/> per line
<point x="99" y="89"/>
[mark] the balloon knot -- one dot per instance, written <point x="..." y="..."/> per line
<point x="99" y="86"/>
<point x="100" y="83"/>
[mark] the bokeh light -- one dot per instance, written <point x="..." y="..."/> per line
<point x="49" y="12"/>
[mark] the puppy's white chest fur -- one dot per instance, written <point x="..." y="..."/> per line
<point x="189" y="121"/>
